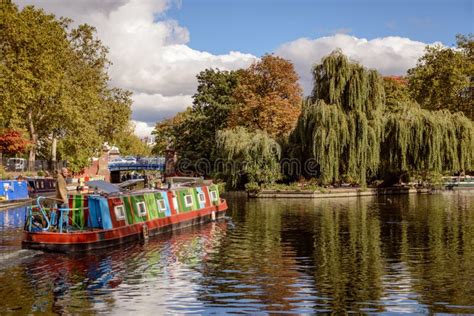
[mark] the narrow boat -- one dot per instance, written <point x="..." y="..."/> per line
<point x="13" y="193"/>
<point x="110" y="217"/>
<point x="41" y="186"/>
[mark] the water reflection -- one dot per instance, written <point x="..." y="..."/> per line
<point x="11" y="225"/>
<point x="397" y="254"/>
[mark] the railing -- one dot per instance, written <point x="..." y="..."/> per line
<point x="20" y="165"/>
<point x="125" y="166"/>
<point x="41" y="218"/>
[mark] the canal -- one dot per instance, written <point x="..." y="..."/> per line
<point x="373" y="254"/>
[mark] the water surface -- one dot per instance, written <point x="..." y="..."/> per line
<point x="372" y="254"/>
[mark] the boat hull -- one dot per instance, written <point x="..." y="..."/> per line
<point x="100" y="239"/>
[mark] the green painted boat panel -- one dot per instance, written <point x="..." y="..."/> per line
<point x="151" y="205"/>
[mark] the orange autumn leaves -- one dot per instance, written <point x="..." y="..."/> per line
<point x="268" y="97"/>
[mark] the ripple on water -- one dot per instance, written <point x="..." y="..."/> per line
<point x="413" y="255"/>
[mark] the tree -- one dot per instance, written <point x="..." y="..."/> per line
<point x="245" y="156"/>
<point x="443" y="77"/>
<point x="193" y="131"/>
<point x="12" y="142"/>
<point x="163" y="134"/>
<point x="215" y="95"/>
<point x="268" y="97"/>
<point x="417" y="140"/>
<point x="54" y="84"/>
<point x="210" y="112"/>
<point x="352" y="136"/>
<point x="131" y="145"/>
<point x="340" y="125"/>
<point x="33" y="50"/>
<point x="396" y="92"/>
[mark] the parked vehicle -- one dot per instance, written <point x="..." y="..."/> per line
<point x="16" y="164"/>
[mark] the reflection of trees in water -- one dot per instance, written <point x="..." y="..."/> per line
<point x="252" y="264"/>
<point x="347" y="252"/>
<point x="15" y="293"/>
<point x="440" y="250"/>
<point x="367" y="253"/>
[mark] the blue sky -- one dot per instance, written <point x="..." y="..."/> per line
<point x="260" y="26"/>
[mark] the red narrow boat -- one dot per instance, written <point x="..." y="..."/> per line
<point x="95" y="221"/>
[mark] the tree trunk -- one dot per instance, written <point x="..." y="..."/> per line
<point x="34" y="140"/>
<point x="54" y="145"/>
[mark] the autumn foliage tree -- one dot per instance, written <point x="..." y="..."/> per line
<point x="12" y="142"/>
<point x="268" y="97"/>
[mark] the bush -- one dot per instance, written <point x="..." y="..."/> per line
<point x="221" y="187"/>
<point x="3" y="173"/>
<point x="252" y="187"/>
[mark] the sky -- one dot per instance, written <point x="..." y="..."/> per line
<point x="157" y="47"/>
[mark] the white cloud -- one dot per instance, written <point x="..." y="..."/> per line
<point x="148" y="52"/>
<point x="391" y="55"/>
<point x="142" y="129"/>
<point x="147" y="106"/>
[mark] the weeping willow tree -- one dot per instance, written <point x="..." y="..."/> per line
<point x="247" y="157"/>
<point x="421" y="140"/>
<point x="346" y="128"/>
<point x="340" y="126"/>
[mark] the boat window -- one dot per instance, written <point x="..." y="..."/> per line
<point x="141" y="208"/>
<point x="119" y="212"/>
<point x="213" y="195"/>
<point x="188" y="200"/>
<point x="161" y="205"/>
<point x="202" y="198"/>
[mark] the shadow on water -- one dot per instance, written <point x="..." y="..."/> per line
<point x="397" y="254"/>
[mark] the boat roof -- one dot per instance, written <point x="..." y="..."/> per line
<point x="129" y="183"/>
<point x="102" y="186"/>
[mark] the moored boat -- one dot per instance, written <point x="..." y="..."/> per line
<point x="110" y="217"/>
<point x="459" y="183"/>
<point x="41" y="186"/>
<point x="13" y="192"/>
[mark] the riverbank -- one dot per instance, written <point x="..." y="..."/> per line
<point x="338" y="192"/>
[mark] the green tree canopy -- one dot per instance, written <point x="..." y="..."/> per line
<point x="247" y="156"/>
<point x="341" y="124"/>
<point x="417" y="140"/>
<point x="444" y="77"/>
<point x="396" y="92"/>
<point x="54" y="84"/>
<point x="131" y="145"/>
<point x="193" y="131"/>
<point x="349" y="131"/>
